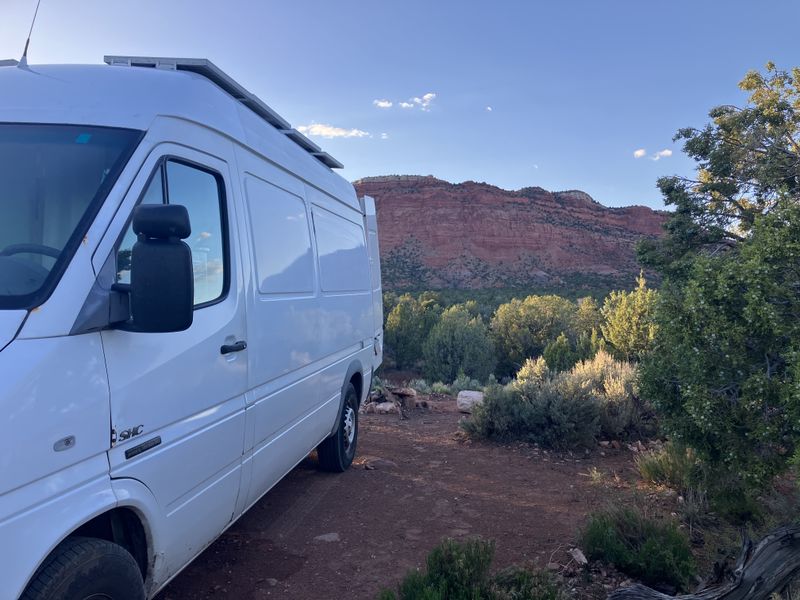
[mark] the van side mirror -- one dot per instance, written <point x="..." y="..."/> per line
<point x="162" y="280"/>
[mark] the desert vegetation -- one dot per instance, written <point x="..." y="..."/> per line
<point x="706" y="367"/>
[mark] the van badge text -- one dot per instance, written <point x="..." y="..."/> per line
<point x="125" y="434"/>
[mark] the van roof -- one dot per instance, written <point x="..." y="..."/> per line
<point x="134" y="97"/>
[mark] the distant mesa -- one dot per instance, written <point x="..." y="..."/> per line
<point x="435" y="234"/>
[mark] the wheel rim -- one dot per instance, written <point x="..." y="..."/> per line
<point x="349" y="427"/>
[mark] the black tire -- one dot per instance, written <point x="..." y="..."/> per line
<point x="336" y="453"/>
<point x="87" y="569"/>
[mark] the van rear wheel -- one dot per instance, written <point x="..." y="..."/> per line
<point x="336" y="453"/>
<point x="87" y="569"/>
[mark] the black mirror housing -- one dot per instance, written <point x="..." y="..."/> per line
<point x="162" y="279"/>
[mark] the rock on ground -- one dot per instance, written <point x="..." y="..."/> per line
<point x="468" y="399"/>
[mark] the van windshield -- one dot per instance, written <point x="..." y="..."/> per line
<point x="53" y="179"/>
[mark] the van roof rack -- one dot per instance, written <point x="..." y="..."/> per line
<point x="213" y="73"/>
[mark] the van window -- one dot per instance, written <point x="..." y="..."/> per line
<point x="343" y="262"/>
<point x="54" y="179"/>
<point x="200" y="191"/>
<point x="281" y="239"/>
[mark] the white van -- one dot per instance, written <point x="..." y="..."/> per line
<point x="190" y="303"/>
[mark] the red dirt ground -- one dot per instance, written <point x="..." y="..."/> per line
<point x="413" y="483"/>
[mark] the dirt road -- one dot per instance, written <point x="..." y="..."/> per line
<point x="317" y="535"/>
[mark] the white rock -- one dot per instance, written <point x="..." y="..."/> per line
<point x="579" y="557"/>
<point x="467" y="399"/>
<point x="385" y="408"/>
<point x="328" y="537"/>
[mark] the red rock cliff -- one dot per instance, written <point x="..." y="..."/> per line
<point x="435" y="234"/>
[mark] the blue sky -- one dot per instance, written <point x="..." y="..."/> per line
<point x="575" y="87"/>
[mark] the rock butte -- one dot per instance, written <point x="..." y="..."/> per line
<point x="436" y="234"/>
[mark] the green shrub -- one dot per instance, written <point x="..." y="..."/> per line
<point x="656" y="552"/>
<point x="522" y="328"/>
<point x="459" y="342"/>
<point x="420" y="386"/>
<point x="535" y="412"/>
<point x="612" y="383"/>
<point x="440" y="388"/>
<point x="533" y="372"/>
<point x="559" y="354"/>
<point x="672" y="465"/>
<point x="560" y="410"/>
<point x="515" y="583"/>
<point x="407" y="325"/>
<point x="460" y="571"/>
<point x="462" y="382"/>
<point x="629" y="320"/>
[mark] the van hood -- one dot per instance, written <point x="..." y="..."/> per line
<point x="10" y="322"/>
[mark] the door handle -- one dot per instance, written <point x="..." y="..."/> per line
<point x="235" y="347"/>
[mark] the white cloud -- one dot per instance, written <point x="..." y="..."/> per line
<point x="425" y="102"/>
<point x="329" y="131"/>
<point x="639" y="153"/>
<point x="489" y="109"/>
<point x="662" y="154"/>
<point x="384" y="136"/>
<point x="422" y="102"/>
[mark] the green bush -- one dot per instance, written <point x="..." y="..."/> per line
<point x="440" y="388"/>
<point x="563" y="410"/>
<point x="559" y="354"/>
<point x="535" y="412"/>
<point x="408" y="323"/>
<point x="522" y="328"/>
<point x="672" y="465"/>
<point x="420" y="386"/>
<point x="459" y="342"/>
<point x="460" y="571"/>
<point x="612" y="383"/>
<point x="628" y="320"/>
<point x="533" y="372"/>
<point x="462" y="382"/>
<point x="725" y="370"/>
<point x="655" y="552"/>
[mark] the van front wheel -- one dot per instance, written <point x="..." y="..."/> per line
<point x="87" y="569"/>
<point x="337" y="452"/>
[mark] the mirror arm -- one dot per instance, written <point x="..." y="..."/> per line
<point x="119" y="305"/>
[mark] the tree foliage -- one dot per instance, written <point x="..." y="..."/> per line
<point x="407" y="327"/>
<point x="748" y="163"/>
<point x="628" y="323"/>
<point x="559" y="354"/>
<point x="725" y="370"/>
<point x="522" y="328"/>
<point x="458" y="342"/>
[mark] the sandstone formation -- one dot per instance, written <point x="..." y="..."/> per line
<point x="436" y="234"/>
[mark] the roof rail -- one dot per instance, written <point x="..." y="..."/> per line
<point x="213" y="73"/>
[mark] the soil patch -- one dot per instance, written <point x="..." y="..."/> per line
<point x="415" y="481"/>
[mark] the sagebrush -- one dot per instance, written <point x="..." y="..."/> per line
<point x="461" y="571"/>
<point x="654" y="551"/>
<point x="597" y="397"/>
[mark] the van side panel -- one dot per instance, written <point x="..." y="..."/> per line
<point x="309" y="314"/>
<point x="346" y="311"/>
<point x="286" y="416"/>
<point x="373" y="247"/>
